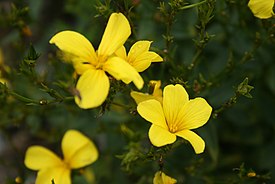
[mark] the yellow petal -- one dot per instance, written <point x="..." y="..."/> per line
<point x="78" y="150"/>
<point x="151" y="110"/>
<point x="116" y="33"/>
<point x="121" y="52"/>
<point x="93" y="87"/>
<point x="80" y="68"/>
<point x="155" y="57"/>
<point x="77" y="62"/>
<point x="140" y="97"/>
<point x="262" y="9"/>
<point x="162" y="178"/>
<point x="138" y="48"/>
<point x="140" y="57"/>
<point x="194" y="114"/>
<point x="38" y="157"/>
<point x="196" y="141"/>
<point x="157" y="91"/>
<point x="174" y="98"/>
<point x="75" y="47"/>
<point x="160" y="136"/>
<point x="60" y="175"/>
<point x="143" y="61"/>
<point x="121" y="70"/>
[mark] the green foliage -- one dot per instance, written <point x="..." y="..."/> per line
<point x="215" y="49"/>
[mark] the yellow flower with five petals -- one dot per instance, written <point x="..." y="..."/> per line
<point x="176" y="116"/>
<point x="93" y="84"/>
<point x="139" y="55"/>
<point x="262" y="9"/>
<point x="78" y="151"/>
<point x="162" y="178"/>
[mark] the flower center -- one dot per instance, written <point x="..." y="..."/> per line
<point x="130" y="61"/>
<point x="66" y="164"/>
<point x="173" y="128"/>
<point x="99" y="65"/>
<point x="100" y="61"/>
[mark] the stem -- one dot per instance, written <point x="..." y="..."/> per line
<point x="22" y="98"/>
<point x="195" y="58"/>
<point x="226" y="105"/>
<point x="40" y="102"/>
<point x="120" y="105"/>
<point x="192" y="5"/>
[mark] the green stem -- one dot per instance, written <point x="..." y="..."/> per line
<point x="195" y="58"/>
<point x="69" y="98"/>
<point x="226" y="105"/>
<point x="40" y="102"/>
<point x="193" y="5"/>
<point x="22" y="98"/>
<point x="58" y="100"/>
<point x="121" y="105"/>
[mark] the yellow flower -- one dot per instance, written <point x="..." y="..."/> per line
<point x="139" y="55"/>
<point x="78" y="152"/>
<point x="262" y="9"/>
<point x="176" y="117"/>
<point x="157" y="93"/>
<point x="162" y="178"/>
<point x="93" y="84"/>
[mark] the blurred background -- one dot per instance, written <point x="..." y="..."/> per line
<point x="217" y="50"/>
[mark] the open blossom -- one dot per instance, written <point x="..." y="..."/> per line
<point x="262" y="9"/>
<point x="162" y="178"/>
<point x="156" y="94"/>
<point x="139" y="55"/>
<point x="78" y="151"/>
<point x="176" y="116"/>
<point x="93" y="84"/>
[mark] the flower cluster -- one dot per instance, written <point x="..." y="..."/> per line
<point x="171" y="112"/>
<point x="92" y="66"/>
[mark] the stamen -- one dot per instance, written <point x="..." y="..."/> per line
<point x="101" y="60"/>
<point x="173" y="128"/>
<point x="66" y="164"/>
